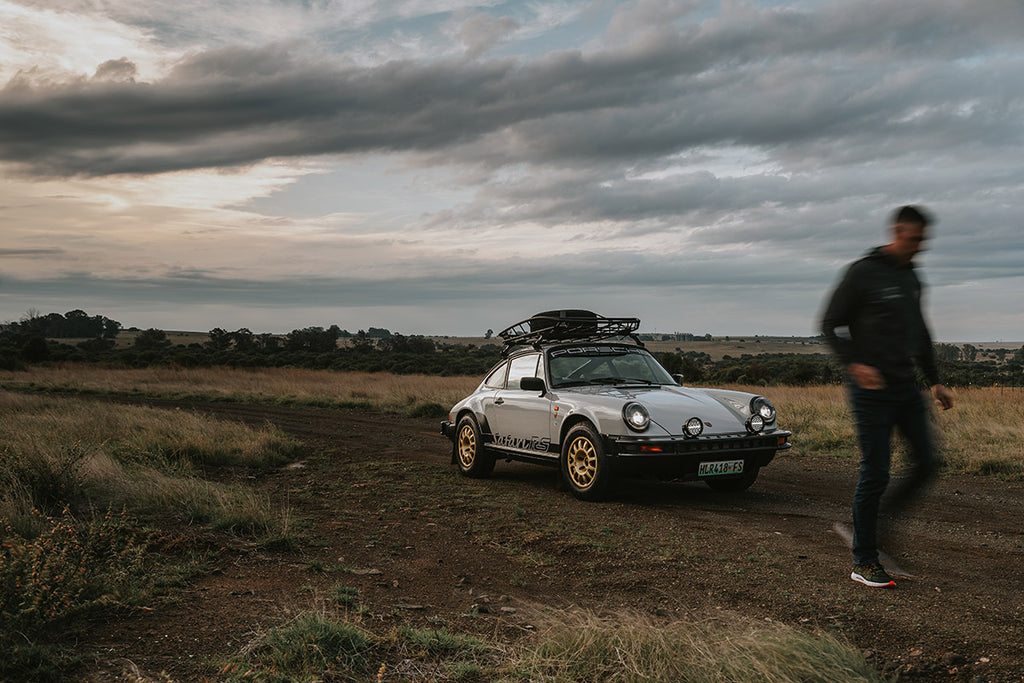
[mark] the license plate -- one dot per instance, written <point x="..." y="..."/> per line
<point x="714" y="469"/>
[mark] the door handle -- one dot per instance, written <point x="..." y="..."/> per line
<point x="498" y="401"/>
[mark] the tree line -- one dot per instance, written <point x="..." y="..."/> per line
<point x="41" y="339"/>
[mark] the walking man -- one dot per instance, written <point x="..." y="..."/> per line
<point x="874" y="325"/>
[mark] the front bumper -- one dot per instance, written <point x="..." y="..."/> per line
<point x="721" y="444"/>
<point x="681" y="457"/>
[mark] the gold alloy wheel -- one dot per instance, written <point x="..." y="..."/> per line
<point x="581" y="462"/>
<point x="467" y="446"/>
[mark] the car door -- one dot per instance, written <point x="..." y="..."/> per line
<point x="493" y="383"/>
<point x="520" y="420"/>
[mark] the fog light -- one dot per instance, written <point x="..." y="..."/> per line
<point x="694" y="426"/>
<point x="755" y="424"/>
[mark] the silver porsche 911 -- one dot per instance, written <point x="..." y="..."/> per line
<point x="578" y="391"/>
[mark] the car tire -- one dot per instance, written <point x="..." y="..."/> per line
<point x="736" y="484"/>
<point x="584" y="465"/>
<point x="470" y="455"/>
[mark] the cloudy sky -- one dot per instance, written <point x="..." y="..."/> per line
<point x="448" y="166"/>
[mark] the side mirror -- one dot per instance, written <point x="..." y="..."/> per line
<point x="533" y="384"/>
<point x="679" y="379"/>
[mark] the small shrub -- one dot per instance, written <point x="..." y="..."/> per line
<point x="441" y="642"/>
<point x="49" y="476"/>
<point x="631" y="648"/>
<point x="312" y="646"/>
<point x="71" y="568"/>
<point x="344" y="595"/>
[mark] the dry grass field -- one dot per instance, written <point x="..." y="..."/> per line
<point x="981" y="435"/>
<point x="67" y="457"/>
<point x="377" y="391"/>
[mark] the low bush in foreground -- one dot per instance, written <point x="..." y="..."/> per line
<point x="65" y="453"/>
<point x="72" y="568"/>
<point x="62" y="463"/>
<point x="575" y="648"/>
<point x="729" y="648"/>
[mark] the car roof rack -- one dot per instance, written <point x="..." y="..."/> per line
<point x="567" y="326"/>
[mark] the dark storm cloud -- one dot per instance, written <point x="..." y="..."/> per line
<point x="598" y="270"/>
<point x="805" y="85"/>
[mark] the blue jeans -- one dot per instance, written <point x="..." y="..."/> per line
<point x="876" y="412"/>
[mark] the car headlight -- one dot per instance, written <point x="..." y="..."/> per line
<point x="636" y="416"/>
<point x="693" y="427"/>
<point x="759" y="405"/>
<point x="755" y="423"/>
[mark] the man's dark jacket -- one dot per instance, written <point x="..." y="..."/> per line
<point x="879" y="301"/>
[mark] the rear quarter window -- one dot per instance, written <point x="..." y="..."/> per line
<point x="496" y="380"/>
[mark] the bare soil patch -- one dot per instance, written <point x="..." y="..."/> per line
<point x="390" y="517"/>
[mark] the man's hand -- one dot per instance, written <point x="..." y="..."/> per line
<point x="943" y="396"/>
<point x="866" y="376"/>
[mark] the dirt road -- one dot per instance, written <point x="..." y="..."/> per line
<point x="392" y="519"/>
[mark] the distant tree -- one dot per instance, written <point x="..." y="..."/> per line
<point x="111" y="328"/>
<point x="315" y="339"/>
<point x="220" y="339"/>
<point x="151" y="340"/>
<point x="244" y="340"/>
<point x="76" y="323"/>
<point x="398" y="343"/>
<point x="361" y="342"/>
<point x="947" y="352"/>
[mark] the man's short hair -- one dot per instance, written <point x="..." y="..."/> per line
<point x="915" y="215"/>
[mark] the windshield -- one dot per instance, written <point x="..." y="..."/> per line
<point x="584" y="365"/>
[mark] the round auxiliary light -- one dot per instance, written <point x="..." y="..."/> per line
<point x="755" y="424"/>
<point x="694" y="426"/>
<point x="636" y="416"/>
<point x="759" y="405"/>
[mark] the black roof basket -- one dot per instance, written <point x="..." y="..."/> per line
<point x="567" y="326"/>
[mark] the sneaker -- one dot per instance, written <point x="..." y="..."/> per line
<point x="872" y="575"/>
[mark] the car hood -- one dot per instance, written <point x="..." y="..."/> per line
<point x="670" y="407"/>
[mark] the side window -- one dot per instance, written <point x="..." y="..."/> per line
<point x="496" y="380"/>
<point x="524" y="366"/>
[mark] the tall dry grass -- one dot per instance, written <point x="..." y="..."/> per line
<point x="573" y="648"/>
<point x="58" y="452"/>
<point x="629" y="647"/>
<point x="377" y="391"/>
<point x="65" y="461"/>
<point x="981" y="435"/>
